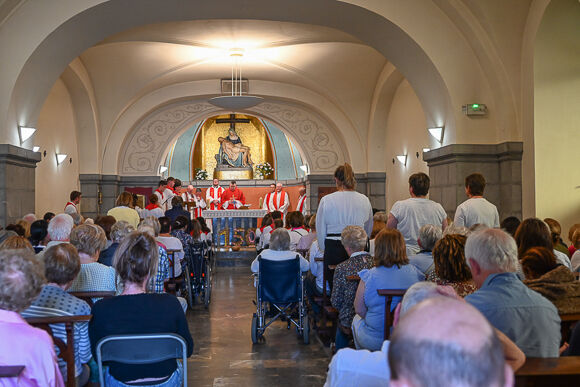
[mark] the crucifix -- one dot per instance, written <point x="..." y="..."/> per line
<point x="232" y="121"/>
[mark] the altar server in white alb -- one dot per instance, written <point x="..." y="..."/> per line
<point x="301" y="206"/>
<point x="159" y="192"/>
<point x="169" y="193"/>
<point x="200" y="203"/>
<point x="409" y="215"/>
<point x="476" y="209"/>
<point x="72" y="206"/>
<point x="267" y="204"/>
<point x="279" y="200"/>
<point x="213" y="195"/>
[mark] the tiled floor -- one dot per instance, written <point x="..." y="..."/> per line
<point x="224" y="354"/>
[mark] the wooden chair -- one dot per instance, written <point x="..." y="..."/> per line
<point x="389" y="294"/>
<point x="66" y="351"/>
<point x="559" y="371"/>
<point x="89" y="296"/>
<point x="173" y="283"/>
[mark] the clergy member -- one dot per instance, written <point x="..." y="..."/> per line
<point x="200" y="203"/>
<point x="213" y="195"/>
<point x="159" y="192"/>
<point x="72" y="206"/>
<point x="280" y="200"/>
<point x="189" y="194"/>
<point x="169" y="192"/>
<point x="267" y="205"/>
<point x="301" y="206"/>
<point x="233" y="198"/>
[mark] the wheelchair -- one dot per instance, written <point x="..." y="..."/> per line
<point x="280" y="284"/>
<point x="199" y="275"/>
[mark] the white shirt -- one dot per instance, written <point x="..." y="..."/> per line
<point x="340" y="209"/>
<point x="295" y="236"/>
<point x="161" y="201"/>
<point x="263" y="234"/>
<point x="70" y="208"/>
<point x="563" y="259"/>
<point x="414" y="213"/>
<point x="168" y="197"/>
<point x="350" y="367"/>
<point x="156" y="212"/>
<point x="476" y="211"/>
<point x="267" y="205"/>
<point x="316" y="266"/>
<point x="173" y="243"/>
<point x="274" y="255"/>
<point x="302" y="203"/>
<point x="575" y="260"/>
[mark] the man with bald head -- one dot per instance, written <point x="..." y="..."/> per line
<point x="444" y="342"/>
<point x="526" y="317"/>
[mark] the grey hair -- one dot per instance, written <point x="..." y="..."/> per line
<point x="420" y="291"/>
<point x="429" y="234"/>
<point x="459" y="230"/>
<point x="152" y="222"/>
<point x="120" y="230"/>
<point x="29" y="218"/>
<point x="380" y="216"/>
<point x="60" y="227"/>
<point x="22" y="277"/>
<point x="147" y="230"/>
<point x="280" y="240"/>
<point x="492" y="249"/>
<point x="354" y="237"/>
<point x="77" y="218"/>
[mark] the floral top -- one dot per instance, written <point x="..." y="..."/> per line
<point x="461" y="288"/>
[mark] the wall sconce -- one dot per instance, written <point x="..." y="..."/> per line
<point x="162" y="169"/>
<point x="426" y="150"/>
<point x="25" y="133"/>
<point x="35" y="148"/>
<point x="304" y="168"/>
<point x="402" y="159"/>
<point x="437" y="133"/>
<point x="60" y="157"/>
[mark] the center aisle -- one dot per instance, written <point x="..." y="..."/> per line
<point x="224" y="354"/>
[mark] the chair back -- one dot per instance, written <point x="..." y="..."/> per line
<point x="90" y="297"/>
<point x="141" y="349"/>
<point x="279" y="281"/>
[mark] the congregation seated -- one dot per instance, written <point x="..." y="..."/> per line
<point x="450" y="265"/>
<point x="17" y="228"/>
<point x="306" y="241"/>
<point x="61" y="266"/>
<point x="106" y="222"/>
<point x="89" y="240"/>
<point x="179" y="231"/>
<point x="265" y="227"/>
<point x="523" y="315"/>
<point x="295" y="226"/>
<point x="48" y="216"/>
<point x="354" y="240"/>
<point x="510" y="225"/>
<point x="59" y="230"/>
<point x="16" y="242"/>
<point x="22" y="277"/>
<point x="119" y="230"/>
<point x="265" y="238"/>
<point x="574" y="237"/>
<point x="153" y="208"/>
<point x="392" y="271"/>
<point x="177" y="210"/>
<point x="39" y="235"/>
<point x="139" y="312"/>
<point x="171" y="243"/>
<point x="556" y="233"/>
<point x="205" y="232"/>
<point x="150" y="225"/>
<point x="124" y="210"/>
<point x="428" y="235"/>
<point x="378" y="226"/>
<point x="446" y="342"/>
<point x="551" y="279"/>
<point x="533" y="232"/>
<point x="314" y="280"/>
<point x="279" y="250"/>
<point x="575" y="250"/>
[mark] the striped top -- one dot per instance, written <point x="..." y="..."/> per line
<point x="53" y="302"/>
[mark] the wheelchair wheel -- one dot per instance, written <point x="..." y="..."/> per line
<point x="188" y="288"/>
<point x="255" y="329"/>
<point x="207" y="287"/>
<point x="306" y="330"/>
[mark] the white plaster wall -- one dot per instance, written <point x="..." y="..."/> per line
<point x="406" y="133"/>
<point x="557" y="114"/>
<point x="56" y="133"/>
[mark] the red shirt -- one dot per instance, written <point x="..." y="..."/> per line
<point x="237" y="194"/>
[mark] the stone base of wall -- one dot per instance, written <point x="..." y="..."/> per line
<point x="500" y="164"/>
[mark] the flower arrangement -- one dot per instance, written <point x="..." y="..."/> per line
<point x="264" y="170"/>
<point x="200" y="174"/>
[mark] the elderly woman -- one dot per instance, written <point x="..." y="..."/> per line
<point x="119" y="230"/>
<point x="22" y="278"/>
<point x="554" y="281"/>
<point x="124" y="209"/>
<point x="279" y="251"/>
<point x="89" y="239"/>
<point x="354" y="240"/>
<point x="533" y="232"/>
<point x="450" y="265"/>
<point x="61" y="266"/>
<point x="16" y="242"/>
<point x="392" y="271"/>
<point x="429" y="234"/>
<point x="137" y="312"/>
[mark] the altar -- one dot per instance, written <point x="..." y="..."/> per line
<point x="234" y="226"/>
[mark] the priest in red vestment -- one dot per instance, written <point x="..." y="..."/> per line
<point x="232" y="198"/>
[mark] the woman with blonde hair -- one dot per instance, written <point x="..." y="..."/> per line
<point x="16" y="242"/>
<point x="392" y="271"/>
<point x="346" y="207"/>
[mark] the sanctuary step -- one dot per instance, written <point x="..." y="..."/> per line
<point x="225" y="256"/>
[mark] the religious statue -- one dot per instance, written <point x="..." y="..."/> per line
<point x="232" y="152"/>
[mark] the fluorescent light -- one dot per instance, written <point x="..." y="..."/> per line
<point x="437" y="133"/>
<point x="402" y="159"/>
<point x="60" y="157"/>
<point x="26" y="133"/>
<point x="162" y="169"/>
<point x="426" y="150"/>
<point x="35" y="148"/>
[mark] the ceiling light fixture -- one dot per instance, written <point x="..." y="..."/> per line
<point x="60" y="157"/>
<point x="437" y="133"/>
<point x="25" y="133"/>
<point x="236" y="100"/>
<point x="402" y="159"/>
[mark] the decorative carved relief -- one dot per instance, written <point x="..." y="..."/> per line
<point x="149" y="139"/>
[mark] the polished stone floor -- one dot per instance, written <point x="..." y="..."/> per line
<point x="224" y="354"/>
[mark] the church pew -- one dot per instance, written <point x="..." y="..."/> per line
<point x="560" y="371"/>
<point x="567" y="323"/>
<point x="389" y="294"/>
<point x="66" y="351"/>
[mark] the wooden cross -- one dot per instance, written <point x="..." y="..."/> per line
<point x="232" y="121"/>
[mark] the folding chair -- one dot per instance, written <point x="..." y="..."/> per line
<point x="141" y="349"/>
